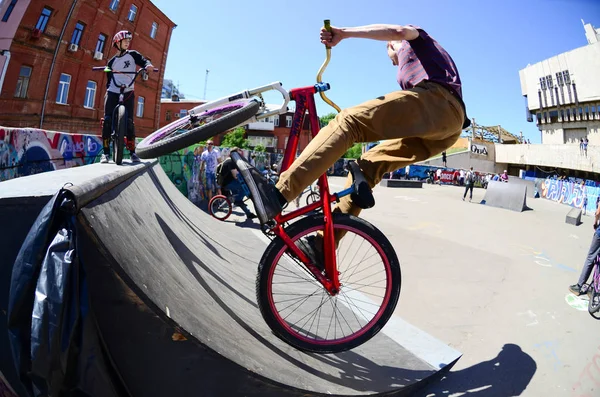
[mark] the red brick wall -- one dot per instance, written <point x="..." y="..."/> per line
<point x="38" y="54"/>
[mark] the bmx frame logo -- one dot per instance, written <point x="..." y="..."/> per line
<point x="479" y="149"/>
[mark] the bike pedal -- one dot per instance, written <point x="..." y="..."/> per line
<point x="362" y="195"/>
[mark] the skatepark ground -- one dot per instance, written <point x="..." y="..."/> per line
<point x="493" y="284"/>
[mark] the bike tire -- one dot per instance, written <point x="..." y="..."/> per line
<point x="221" y="202"/>
<point x="162" y="141"/>
<point x="278" y="248"/>
<point x="118" y="142"/>
<point x="312" y="198"/>
<point x="594" y="304"/>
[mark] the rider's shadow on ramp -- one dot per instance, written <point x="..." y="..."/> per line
<point x="507" y="374"/>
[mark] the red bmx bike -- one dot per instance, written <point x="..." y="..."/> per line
<point x="325" y="307"/>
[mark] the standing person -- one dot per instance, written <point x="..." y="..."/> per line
<point x="425" y="116"/>
<point x="229" y="181"/>
<point x="504" y="176"/>
<point x="469" y="183"/>
<point x="438" y="174"/>
<point x="444" y="158"/>
<point x="125" y="61"/>
<point x="593" y="252"/>
<point x="585" y="146"/>
<point x="461" y="177"/>
<point x="209" y="161"/>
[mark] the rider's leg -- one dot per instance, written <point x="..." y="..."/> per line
<point x="129" y="105"/>
<point x="111" y="100"/>
<point x="418" y="123"/>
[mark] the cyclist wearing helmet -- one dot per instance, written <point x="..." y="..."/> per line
<point x="125" y="61"/>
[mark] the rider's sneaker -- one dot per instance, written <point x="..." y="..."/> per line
<point x="313" y="248"/>
<point x="134" y="158"/>
<point x="104" y="158"/>
<point x="576" y="289"/>
<point x="250" y="216"/>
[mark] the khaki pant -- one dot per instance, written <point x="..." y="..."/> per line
<point x="414" y="124"/>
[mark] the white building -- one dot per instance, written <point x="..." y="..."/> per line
<point x="563" y="93"/>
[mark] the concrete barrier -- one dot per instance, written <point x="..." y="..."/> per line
<point x="574" y="217"/>
<point x="531" y="188"/>
<point x="510" y="196"/>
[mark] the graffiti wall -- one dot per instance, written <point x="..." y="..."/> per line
<point x="571" y="193"/>
<point x="27" y="151"/>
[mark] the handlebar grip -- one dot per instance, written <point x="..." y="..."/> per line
<point x="98" y="67"/>
<point x="327" y="25"/>
<point x="156" y="69"/>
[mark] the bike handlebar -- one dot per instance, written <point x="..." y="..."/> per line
<point x="327" y="25"/>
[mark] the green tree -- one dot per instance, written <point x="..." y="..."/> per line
<point x="326" y="119"/>
<point x="235" y="138"/>
<point x="260" y="148"/>
<point x="354" y="152"/>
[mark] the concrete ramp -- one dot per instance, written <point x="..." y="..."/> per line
<point x="510" y="196"/>
<point x="173" y="292"/>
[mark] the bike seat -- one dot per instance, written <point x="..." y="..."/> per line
<point x="362" y="195"/>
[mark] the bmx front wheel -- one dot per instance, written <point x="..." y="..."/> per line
<point x="219" y="207"/>
<point x="118" y="141"/>
<point x="594" y="305"/>
<point x="302" y="313"/>
<point x="188" y="130"/>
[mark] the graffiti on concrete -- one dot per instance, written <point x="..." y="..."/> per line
<point x="28" y="151"/>
<point x="571" y="193"/>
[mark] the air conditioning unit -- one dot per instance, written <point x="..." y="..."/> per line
<point x="36" y="33"/>
<point x="73" y="47"/>
<point x="98" y="56"/>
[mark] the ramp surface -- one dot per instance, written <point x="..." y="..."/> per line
<point x="510" y="196"/>
<point x="173" y="292"/>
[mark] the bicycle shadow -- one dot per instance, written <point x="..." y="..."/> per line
<point x="507" y="374"/>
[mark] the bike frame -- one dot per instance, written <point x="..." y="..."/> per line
<point x="304" y="98"/>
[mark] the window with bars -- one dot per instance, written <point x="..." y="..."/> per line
<point x="276" y="121"/>
<point x="43" y="19"/>
<point x="101" y="43"/>
<point x="288" y="121"/>
<point x="543" y="83"/>
<point x="566" y="77"/>
<point x="76" y="37"/>
<point x="549" y="82"/>
<point x="140" y="107"/>
<point x="90" y="94"/>
<point x="23" y="82"/>
<point x="132" y="13"/>
<point x="153" y="30"/>
<point x="62" y="94"/>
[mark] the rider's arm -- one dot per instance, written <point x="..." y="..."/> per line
<point x="380" y="32"/>
<point x="597" y="218"/>
<point x="140" y="60"/>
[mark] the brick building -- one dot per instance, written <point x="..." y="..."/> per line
<point x="52" y="46"/>
<point x="273" y="133"/>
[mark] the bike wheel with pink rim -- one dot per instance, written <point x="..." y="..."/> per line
<point x="303" y="314"/>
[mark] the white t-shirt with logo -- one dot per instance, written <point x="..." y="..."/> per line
<point x="211" y="158"/>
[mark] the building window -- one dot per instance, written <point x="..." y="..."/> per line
<point x="132" y="13"/>
<point x="23" y="82"/>
<point x="549" y="82"/>
<point x="288" y="121"/>
<point x="154" y="30"/>
<point x="139" y="112"/>
<point x="9" y="10"/>
<point x="76" y="37"/>
<point x="182" y="112"/>
<point x="566" y="77"/>
<point x="90" y="95"/>
<point x="276" y="121"/>
<point x="43" y="19"/>
<point x="543" y="83"/>
<point x="63" y="89"/>
<point x="114" y="4"/>
<point x="168" y="115"/>
<point x="101" y="42"/>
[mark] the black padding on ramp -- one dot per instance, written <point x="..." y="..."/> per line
<point x="510" y="196"/>
<point x="400" y="183"/>
<point x="574" y="217"/>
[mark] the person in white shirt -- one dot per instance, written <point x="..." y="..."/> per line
<point x="469" y="183"/>
<point x="208" y="162"/>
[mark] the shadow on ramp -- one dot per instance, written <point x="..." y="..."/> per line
<point x="507" y="374"/>
<point x="175" y="310"/>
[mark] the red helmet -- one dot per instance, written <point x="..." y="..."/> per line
<point x="123" y="34"/>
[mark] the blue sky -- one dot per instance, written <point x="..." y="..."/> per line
<point x="246" y="44"/>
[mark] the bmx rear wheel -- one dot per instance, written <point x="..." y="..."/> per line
<point x="219" y="207"/>
<point x="188" y="130"/>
